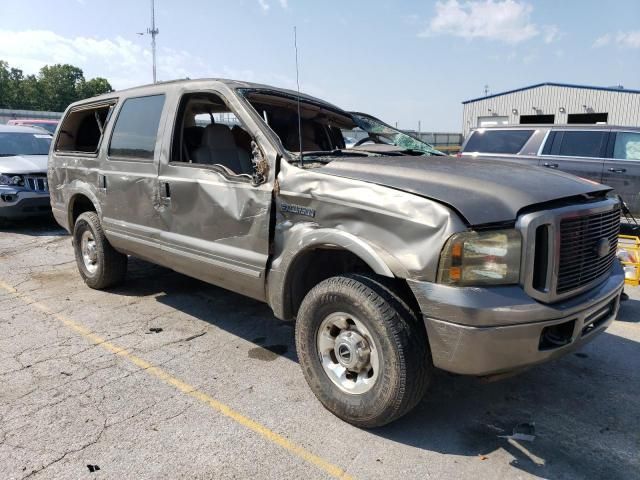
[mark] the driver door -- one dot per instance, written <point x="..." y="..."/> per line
<point x="216" y="219"/>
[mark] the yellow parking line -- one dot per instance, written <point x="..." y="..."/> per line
<point x="183" y="387"/>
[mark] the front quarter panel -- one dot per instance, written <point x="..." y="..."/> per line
<point x="394" y="232"/>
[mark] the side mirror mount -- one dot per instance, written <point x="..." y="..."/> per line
<point x="260" y="165"/>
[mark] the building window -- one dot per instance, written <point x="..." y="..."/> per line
<point x="587" y="118"/>
<point x="492" y="121"/>
<point x="537" y="119"/>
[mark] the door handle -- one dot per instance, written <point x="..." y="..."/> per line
<point x="102" y="181"/>
<point x="165" y="190"/>
<point x="550" y="165"/>
<point x="618" y="170"/>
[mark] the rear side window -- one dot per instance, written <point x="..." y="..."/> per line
<point x="579" y="144"/>
<point x="627" y="146"/>
<point x="81" y="130"/>
<point x="498" y="141"/>
<point x="136" y="129"/>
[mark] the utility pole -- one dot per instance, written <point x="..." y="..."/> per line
<point x="153" y="31"/>
<point x="486" y="90"/>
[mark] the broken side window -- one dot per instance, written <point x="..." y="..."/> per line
<point x="83" y="128"/>
<point x="317" y="130"/>
<point x="209" y="133"/>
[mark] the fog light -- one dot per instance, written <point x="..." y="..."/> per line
<point x="556" y="336"/>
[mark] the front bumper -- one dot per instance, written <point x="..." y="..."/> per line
<point x="22" y="203"/>
<point x="486" y="331"/>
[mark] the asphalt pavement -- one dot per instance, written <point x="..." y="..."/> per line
<point x="168" y="377"/>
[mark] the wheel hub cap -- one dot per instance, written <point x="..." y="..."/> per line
<point x="352" y="350"/>
<point x="89" y="252"/>
<point x="347" y="352"/>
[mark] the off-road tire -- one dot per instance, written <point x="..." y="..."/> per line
<point x="400" y="337"/>
<point x="111" y="264"/>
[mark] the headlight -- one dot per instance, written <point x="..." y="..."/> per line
<point x="481" y="258"/>
<point x="11" y="180"/>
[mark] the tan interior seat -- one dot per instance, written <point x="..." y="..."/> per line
<point x="218" y="147"/>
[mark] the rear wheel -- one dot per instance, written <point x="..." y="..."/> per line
<point x="362" y="350"/>
<point x="100" y="265"/>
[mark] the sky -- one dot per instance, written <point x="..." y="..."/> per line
<point x="402" y="61"/>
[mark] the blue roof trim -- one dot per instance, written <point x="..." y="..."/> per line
<point x="553" y="84"/>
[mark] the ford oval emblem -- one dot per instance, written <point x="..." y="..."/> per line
<point x="603" y="247"/>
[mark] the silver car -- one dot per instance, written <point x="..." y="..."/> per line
<point x="392" y="258"/>
<point x="23" y="171"/>
<point x="606" y="154"/>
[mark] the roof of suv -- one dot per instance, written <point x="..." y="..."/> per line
<point x="232" y="84"/>
<point x="572" y="126"/>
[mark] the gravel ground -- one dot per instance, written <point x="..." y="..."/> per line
<point x="168" y="377"/>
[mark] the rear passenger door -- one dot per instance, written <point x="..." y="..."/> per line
<point x="579" y="152"/>
<point x="622" y="170"/>
<point x="129" y="175"/>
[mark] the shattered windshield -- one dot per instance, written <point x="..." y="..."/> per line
<point x="378" y="130"/>
<point x="313" y="130"/>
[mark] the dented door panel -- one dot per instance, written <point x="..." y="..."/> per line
<point x="218" y="228"/>
<point x="215" y="224"/>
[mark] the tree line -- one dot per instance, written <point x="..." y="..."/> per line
<point x="52" y="89"/>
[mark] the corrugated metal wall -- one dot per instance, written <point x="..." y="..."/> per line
<point x="7" y="114"/>
<point x="623" y="107"/>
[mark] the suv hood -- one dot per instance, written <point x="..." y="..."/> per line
<point x="481" y="190"/>
<point x="24" y="164"/>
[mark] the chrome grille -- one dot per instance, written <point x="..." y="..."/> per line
<point x="565" y="249"/>
<point x="579" y="262"/>
<point x="37" y="184"/>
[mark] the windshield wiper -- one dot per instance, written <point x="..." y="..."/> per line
<point x="317" y="155"/>
<point x="433" y="153"/>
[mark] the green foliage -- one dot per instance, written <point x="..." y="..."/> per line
<point x="53" y="89"/>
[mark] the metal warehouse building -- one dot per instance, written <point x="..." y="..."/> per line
<point x="554" y="103"/>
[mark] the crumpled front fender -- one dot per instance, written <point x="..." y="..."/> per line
<point x="297" y="239"/>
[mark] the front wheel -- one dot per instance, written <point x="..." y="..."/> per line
<point x="100" y="265"/>
<point x="362" y="350"/>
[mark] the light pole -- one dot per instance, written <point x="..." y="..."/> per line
<point x="153" y="31"/>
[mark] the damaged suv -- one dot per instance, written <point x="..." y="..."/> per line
<point x="391" y="258"/>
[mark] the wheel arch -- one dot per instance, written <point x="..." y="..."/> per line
<point x="81" y="201"/>
<point x="316" y="254"/>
